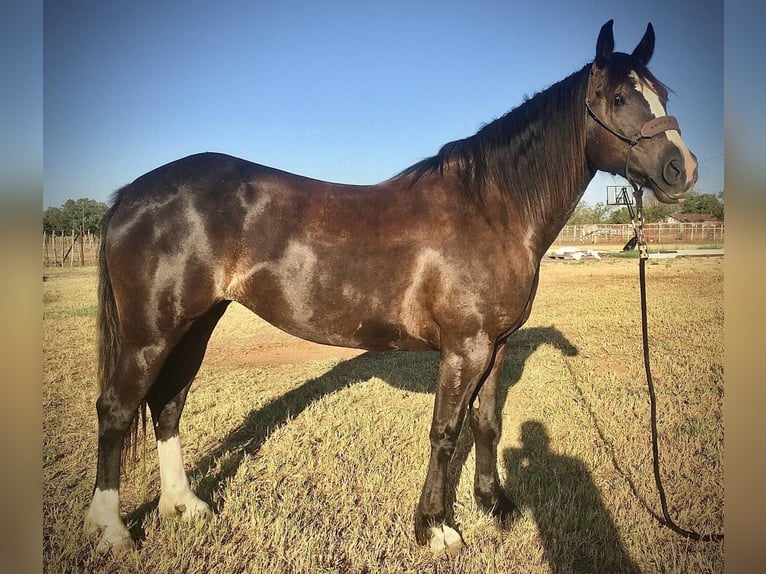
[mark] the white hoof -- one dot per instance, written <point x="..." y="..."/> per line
<point x="445" y="539"/>
<point x="115" y="540"/>
<point x="186" y="507"/>
<point x="103" y="517"/>
<point x="115" y="537"/>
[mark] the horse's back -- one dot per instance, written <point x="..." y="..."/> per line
<point x="212" y="227"/>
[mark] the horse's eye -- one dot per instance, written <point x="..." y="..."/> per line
<point x="619" y="100"/>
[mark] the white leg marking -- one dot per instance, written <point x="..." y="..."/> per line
<point x="104" y="516"/>
<point x="176" y="498"/>
<point x="445" y="539"/>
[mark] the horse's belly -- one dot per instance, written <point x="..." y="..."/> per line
<point x="332" y="314"/>
<point x="372" y="334"/>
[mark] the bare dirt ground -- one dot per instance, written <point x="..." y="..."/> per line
<point x="289" y="351"/>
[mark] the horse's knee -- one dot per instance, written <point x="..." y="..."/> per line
<point x="443" y="443"/>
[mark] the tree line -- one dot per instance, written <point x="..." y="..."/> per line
<point x="75" y="214"/>
<point x="654" y="211"/>
<point x="86" y="214"/>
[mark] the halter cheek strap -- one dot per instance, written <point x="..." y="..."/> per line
<point x="650" y="129"/>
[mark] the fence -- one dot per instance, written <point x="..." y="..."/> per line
<point x="74" y="250"/>
<point x="71" y="249"/>
<point x="656" y="233"/>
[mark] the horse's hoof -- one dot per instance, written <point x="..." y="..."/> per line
<point x="117" y="547"/>
<point x="445" y="540"/>
<point x="499" y="506"/>
<point x="114" y="536"/>
<point x="190" y="508"/>
<point x="116" y="540"/>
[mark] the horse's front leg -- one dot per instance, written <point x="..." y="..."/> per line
<point x="486" y="426"/>
<point x="462" y="368"/>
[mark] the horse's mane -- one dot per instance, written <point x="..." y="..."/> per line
<point x="535" y="153"/>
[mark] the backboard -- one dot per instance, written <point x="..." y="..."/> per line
<point x="619" y="195"/>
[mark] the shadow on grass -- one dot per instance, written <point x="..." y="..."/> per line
<point x="520" y="347"/>
<point x="577" y="531"/>
<point x="410" y="371"/>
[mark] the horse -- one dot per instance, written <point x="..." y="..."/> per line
<point x="444" y="256"/>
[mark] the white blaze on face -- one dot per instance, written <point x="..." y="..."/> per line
<point x="646" y="89"/>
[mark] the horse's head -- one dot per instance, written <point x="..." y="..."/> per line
<point x="629" y="132"/>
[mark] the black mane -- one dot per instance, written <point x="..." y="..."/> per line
<point x="535" y="153"/>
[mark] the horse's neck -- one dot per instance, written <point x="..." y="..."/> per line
<point x="544" y="177"/>
<point x="541" y="225"/>
<point x="558" y="215"/>
<point x="546" y="205"/>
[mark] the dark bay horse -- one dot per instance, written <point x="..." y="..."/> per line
<point x="443" y="256"/>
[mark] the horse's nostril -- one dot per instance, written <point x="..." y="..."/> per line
<point x="673" y="172"/>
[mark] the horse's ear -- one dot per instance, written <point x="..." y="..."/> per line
<point x="645" y="49"/>
<point x="605" y="45"/>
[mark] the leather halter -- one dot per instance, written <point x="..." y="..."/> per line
<point x="650" y="129"/>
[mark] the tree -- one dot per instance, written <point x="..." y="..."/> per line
<point x="654" y="212"/>
<point x="619" y="216"/>
<point x="53" y="220"/>
<point x="658" y="212"/>
<point x="74" y="214"/>
<point x="704" y="203"/>
<point x="585" y="214"/>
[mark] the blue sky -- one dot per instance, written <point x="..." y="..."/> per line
<point x="352" y="92"/>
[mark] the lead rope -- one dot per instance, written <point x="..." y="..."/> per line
<point x="643" y="257"/>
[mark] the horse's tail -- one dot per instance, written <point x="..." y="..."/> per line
<point x="110" y="336"/>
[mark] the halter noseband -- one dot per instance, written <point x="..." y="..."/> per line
<point x="650" y="129"/>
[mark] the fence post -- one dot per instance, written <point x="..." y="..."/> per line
<point x="82" y="247"/>
<point x="91" y="246"/>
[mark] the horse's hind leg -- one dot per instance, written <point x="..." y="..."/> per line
<point x="486" y="428"/>
<point x="166" y="401"/>
<point x="117" y="406"/>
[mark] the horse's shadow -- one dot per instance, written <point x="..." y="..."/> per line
<point x="410" y="371"/>
<point x="575" y="527"/>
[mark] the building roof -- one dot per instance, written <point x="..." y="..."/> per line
<point x="694" y="218"/>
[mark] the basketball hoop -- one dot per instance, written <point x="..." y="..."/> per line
<point x="619" y="195"/>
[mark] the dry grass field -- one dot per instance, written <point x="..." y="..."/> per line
<point x="313" y="457"/>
